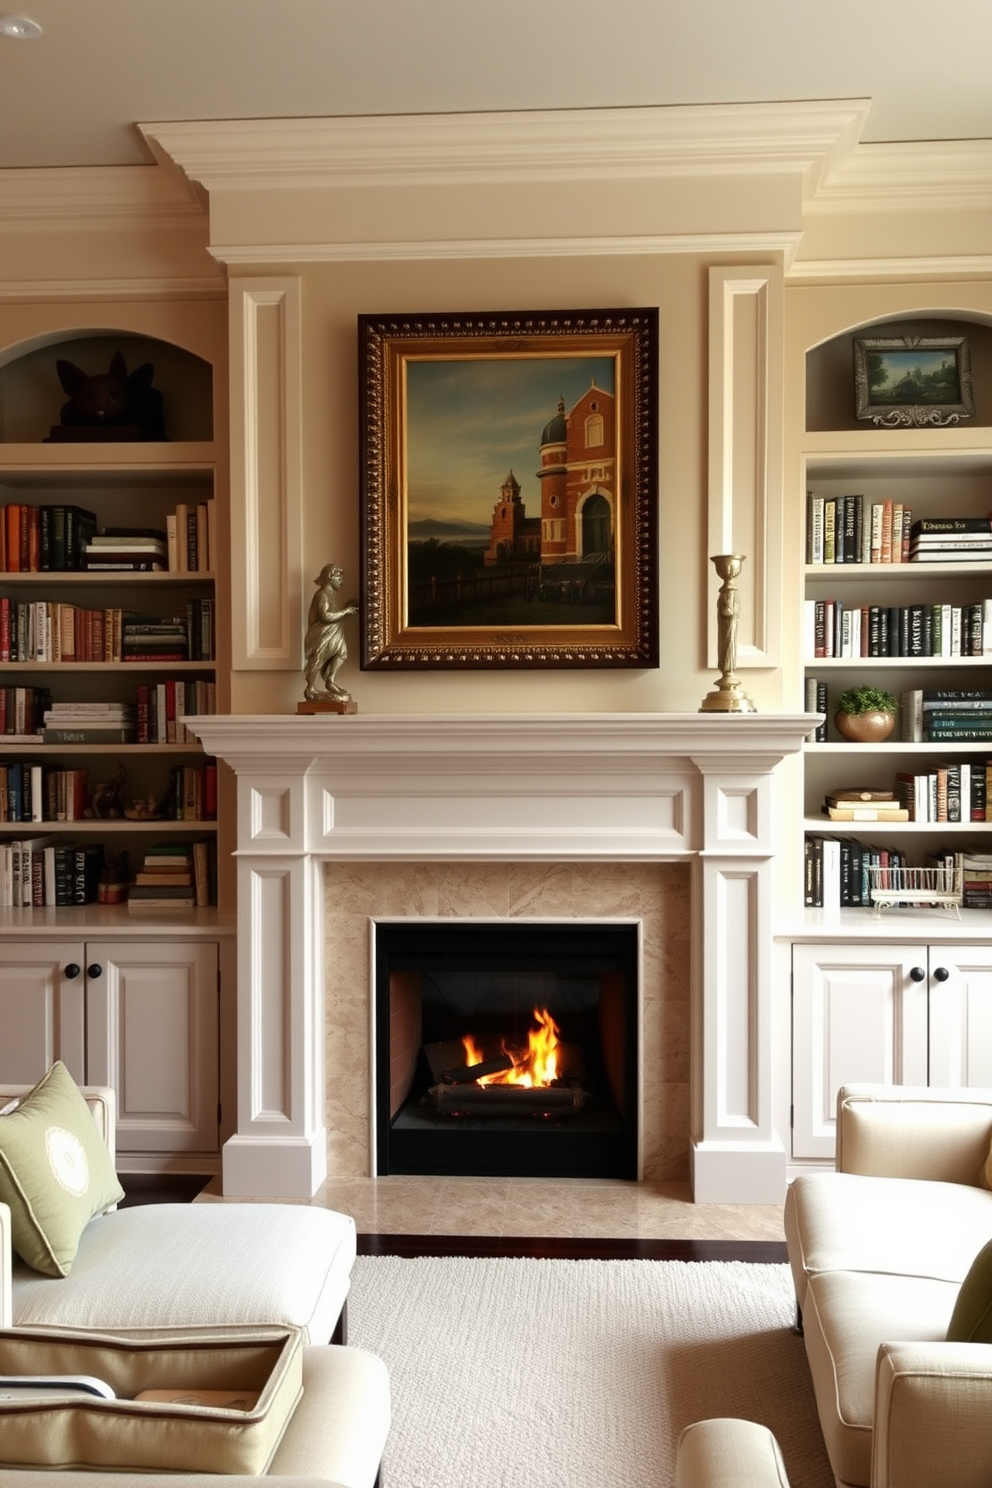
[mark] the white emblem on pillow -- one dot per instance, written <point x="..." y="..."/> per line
<point x="67" y="1160"/>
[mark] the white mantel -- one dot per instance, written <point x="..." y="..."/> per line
<point x="574" y="787"/>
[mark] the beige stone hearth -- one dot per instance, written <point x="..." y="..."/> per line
<point x="655" y="893"/>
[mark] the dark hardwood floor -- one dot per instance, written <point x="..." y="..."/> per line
<point x="757" y="1252"/>
<point x="182" y="1188"/>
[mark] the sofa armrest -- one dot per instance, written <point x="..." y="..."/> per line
<point x="914" y="1131"/>
<point x="933" y="1405"/>
<point x="728" y="1453"/>
<point x="6" y="1270"/>
<point x="101" y="1099"/>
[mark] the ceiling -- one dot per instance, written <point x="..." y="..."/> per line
<point x="73" y="96"/>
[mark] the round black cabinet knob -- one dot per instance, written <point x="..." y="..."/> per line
<point x="940" y="973"/>
<point x="94" y="969"/>
<point x="917" y="974"/>
<point x="72" y="971"/>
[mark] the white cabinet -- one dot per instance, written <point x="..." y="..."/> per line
<point x="908" y="1014"/>
<point x="141" y="1016"/>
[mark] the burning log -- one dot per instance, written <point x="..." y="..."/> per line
<point x="467" y="1074"/>
<point x="507" y="1100"/>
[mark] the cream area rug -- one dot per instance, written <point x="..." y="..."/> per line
<point x="566" y="1374"/>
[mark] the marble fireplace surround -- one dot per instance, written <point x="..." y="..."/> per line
<point x="571" y="790"/>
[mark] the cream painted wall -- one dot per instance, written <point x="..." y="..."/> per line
<point x="333" y="295"/>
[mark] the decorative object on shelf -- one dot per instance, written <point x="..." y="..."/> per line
<point x="112" y="884"/>
<point x="144" y="808"/>
<point x="728" y="696"/>
<point x="929" y="888"/>
<point x="865" y="715"/>
<point x="324" y="647"/>
<point x="111" y="405"/>
<point x="913" y="381"/>
<point x="105" y="802"/>
<point x="463" y="566"/>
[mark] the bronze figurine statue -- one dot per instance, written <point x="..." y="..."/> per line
<point x="324" y="645"/>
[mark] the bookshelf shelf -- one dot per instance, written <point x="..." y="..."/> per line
<point x="54" y="495"/>
<point x="935" y="473"/>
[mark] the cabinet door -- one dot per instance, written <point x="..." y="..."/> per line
<point x="152" y="1033"/>
<point x="42" y="1002"/>
<point x="960" y="1015"/>
<point x="859" y="1014"/>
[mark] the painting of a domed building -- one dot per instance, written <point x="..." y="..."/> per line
<point x="548" y="557"/>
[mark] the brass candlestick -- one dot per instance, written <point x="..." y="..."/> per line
<point x="728" y="696"/>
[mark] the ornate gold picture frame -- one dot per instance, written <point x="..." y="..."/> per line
<point x="509" y="474"/>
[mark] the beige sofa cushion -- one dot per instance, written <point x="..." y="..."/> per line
<point x="847" y="1316"/>
<point x="932" y="1416"/>
<point x="334" y="1440"/>
<point x="907" y="1226"/>
<point x="254" y="1263"/>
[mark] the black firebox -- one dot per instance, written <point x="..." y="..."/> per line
<point x="450" y="995"/>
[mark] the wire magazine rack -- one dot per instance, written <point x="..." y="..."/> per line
<point x="937" y="888"/>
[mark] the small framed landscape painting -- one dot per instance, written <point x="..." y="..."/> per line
<point x="509" y="471"/>
<point x="913" y="380"/>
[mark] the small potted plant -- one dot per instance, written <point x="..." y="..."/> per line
<point x="866" y="715"/>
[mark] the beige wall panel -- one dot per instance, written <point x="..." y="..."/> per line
<point x="493" y="211"/>
<point x="266" y="455"/>
<point x="334" y="296"/>
<point x="745" y="452"/>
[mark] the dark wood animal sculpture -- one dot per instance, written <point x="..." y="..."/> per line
<point x="111" y="405"/>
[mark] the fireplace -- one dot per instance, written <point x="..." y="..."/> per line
<point x="415" y="791"/>
<point x="506" y="1049"/>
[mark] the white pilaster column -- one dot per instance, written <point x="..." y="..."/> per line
<point x="280" y="1148"/>
<point x="737" y="1156"/>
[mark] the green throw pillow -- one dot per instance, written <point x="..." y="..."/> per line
<point x="55" y="1172"/>
<point x="971" y="1320"/>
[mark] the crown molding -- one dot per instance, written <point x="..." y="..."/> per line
<point x="97" y="196"/>
<point x="14" y="291"/>
<point x="926" y="175"/>
<point x="750" y="245"/>
<point x="908" y="270"/>
<point x="536" y="145"/>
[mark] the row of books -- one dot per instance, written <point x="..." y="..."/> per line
<point x="954" y="792"/>
<point x="849" y="529"/>
<point x="22" y="712"/>
<point x="49" y="631"/>
<point x="175" y="875"/>
<point x="160" y="706"/>
<point x="33" y="792"/>
<point x="837" y="870"/>
<point x="976" y="876"/>
<point x="45" y="870"/>
<point x="833" y="628"/>
<point x="945" y="715"/>
<point x="64" y="538"/>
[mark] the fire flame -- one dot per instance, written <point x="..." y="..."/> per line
<point x="537" y="1067"/>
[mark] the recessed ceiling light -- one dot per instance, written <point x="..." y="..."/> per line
<point x="19" y="28"/>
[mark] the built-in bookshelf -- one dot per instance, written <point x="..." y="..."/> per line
<point x="108" y="627"/>
<point x="897" y="596"/>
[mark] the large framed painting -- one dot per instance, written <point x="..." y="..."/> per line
<point x="913" y="381"/>
<point x="509" y="473"/>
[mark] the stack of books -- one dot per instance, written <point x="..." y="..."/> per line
<point x="946" y="715"/>
<point x="165" y="878"/>
<point x="861" y="803"/>
<point x="40" y="871"/>
<point x="173" y="875"/>
<point x="126" y="549"/>
<point x="951" y="540"/>
<point x="90" y="723"/>
<point x="162" y="638"/>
